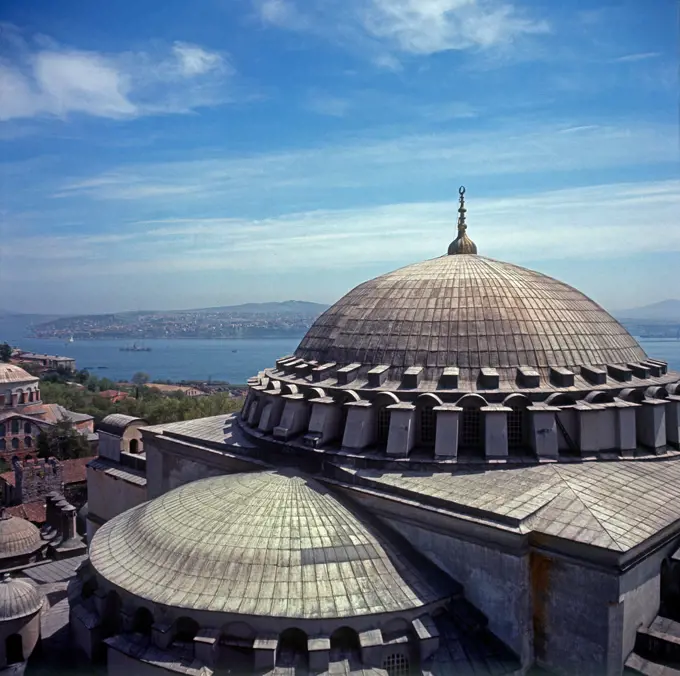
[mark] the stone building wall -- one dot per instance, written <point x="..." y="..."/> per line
<point x="35" y="479"/>
<point x="495" y="582"/>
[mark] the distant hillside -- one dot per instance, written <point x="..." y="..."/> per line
<point x="300" y="307"/>
<point x="663" y="311"/>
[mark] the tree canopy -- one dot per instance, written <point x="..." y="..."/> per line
<point x="152" y="406"/>
<point x="63" y="442"/>
<point x="5" y="352"/>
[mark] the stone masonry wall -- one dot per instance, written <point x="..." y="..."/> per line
<point x="35" y="479"/>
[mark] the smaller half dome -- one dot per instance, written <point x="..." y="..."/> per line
<point x="264" y="544"/>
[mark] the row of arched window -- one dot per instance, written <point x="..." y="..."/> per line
<point x="235" y="645"/>
<point x="14" y="443"/>
<point x="15" y="427"/>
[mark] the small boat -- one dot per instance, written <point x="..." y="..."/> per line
<point x="234" y="350"/>
<point x="70" y="340"/>
<point x="135" y="348"/>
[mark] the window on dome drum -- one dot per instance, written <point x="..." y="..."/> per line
<point x="28" y="442"/>
<point x="2" y="445"/>
<point x="397" y="665"/>
<point x="383" y="424"/>
<point x="15" y="443"/>
<point x="27" y="428"/>
<point x="14" y="649"/>
<point x="142" y="621"/>
<point x="344" y="643"/>
<point x="15" y="427"/>
<point x="3" y="430"/>
<point x="516" y="428"/>
<point x="22" y="398"/>
<point x="292" y="650"/>
<point x="427" y="425"/>
<point x="185" y="630"/>
<point x="471" y="429"/>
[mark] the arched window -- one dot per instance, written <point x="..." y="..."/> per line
<point x="471" y="428"/>
<point x="3" y="445"/>
<point x="344" y="643"/>
<point x="111" y="617"/>
<point x="292" y="650"/>
<point x="22" y="398"/>
<point x="14" y="649"/>
<point x="134" y="446"/>
<point x="142" y="621"/>
<point x="28" y="442"/>
<point x="15" y="427"/>
<point x="27" y="428"/>
<point x="185" y="629"/>
<point x="15" y="443"/>
<point x="383" y="425"/>
<point x="396" y="664"/>
<point x="3" y="430"/>
<point x="426" y="424"/>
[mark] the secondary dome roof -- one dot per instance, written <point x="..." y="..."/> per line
<point x="471" y="312"/>
<point x="18" y="537"/>
<point x="261" y="543"/>
<point x="11" y="373"/>
<point x="18" y="598"/>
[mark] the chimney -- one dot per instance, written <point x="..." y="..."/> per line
<point x="68" y="522"/>
<point x="18" y="492"/>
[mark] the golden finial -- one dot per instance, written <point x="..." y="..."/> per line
<point x="462" y="244"/>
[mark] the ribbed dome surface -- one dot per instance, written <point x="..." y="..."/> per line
<point x="18" y="598"/>
<point x="18" y="537"/>
<point x="471" y="312"/>
<point x="10" y="373"/>
<point x="260" y="543"/>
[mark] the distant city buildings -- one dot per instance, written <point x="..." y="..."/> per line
<point x="44" y="361"/>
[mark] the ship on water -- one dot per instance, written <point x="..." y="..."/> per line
<point x="135" y="348"/>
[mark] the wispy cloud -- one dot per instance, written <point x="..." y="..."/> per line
<point x="548" y="225"/>
<point x="632" y="58"/>
<point x="39" y="78"/>
<point x="510" y="149"/>
<point x="385" y="29"/>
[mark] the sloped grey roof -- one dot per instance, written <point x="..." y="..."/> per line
<point x="615" y="505"/>
<point x="17" y="536"/>
<point x="18" y="598"/>
<point x="471" y="312"/>
<point x="265" y="543"/>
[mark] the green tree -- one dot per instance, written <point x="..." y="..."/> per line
<point x="140" y="378"/>
<point x="5" y="352"/>
<point x="63" y="442"/>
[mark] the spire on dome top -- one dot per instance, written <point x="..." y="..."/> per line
<point x="462" y="244"/>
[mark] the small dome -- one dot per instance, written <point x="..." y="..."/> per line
<point x="18" y="537"/>
<point x="471" y="312"/>
<point x="11" y="373"/>
<point x="261" y="543"/>
<point x="18" y="598"/>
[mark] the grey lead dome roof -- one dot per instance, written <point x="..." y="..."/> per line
<point x="18" y="598"/>
<point x="262" y="544"/>
<point x="18" y="537"/>
<point x="471" y="312"/>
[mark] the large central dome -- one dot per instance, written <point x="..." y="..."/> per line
<point x="470" y="312"/>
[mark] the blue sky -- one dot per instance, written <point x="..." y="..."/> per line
<point x="176" y="154"/>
